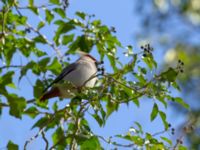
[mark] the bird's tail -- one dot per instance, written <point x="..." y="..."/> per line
<point x="54" y="92"/>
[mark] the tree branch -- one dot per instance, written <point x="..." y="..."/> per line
<point x="52" y="45"/>
<point x="114" y="143"/>
<point x="11" y="66"/>
<point x="45" y="139"/>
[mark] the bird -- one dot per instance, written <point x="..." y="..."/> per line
<point x="81" y="73"/>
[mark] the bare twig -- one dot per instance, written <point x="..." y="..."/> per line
<point x="42" y="6"/>
<point x="160" y="132"/>
<point x="11" y="66"/>
<point x="33" y="138"/>
<point x="45" y="139"/>
<point x="114" y="143"/>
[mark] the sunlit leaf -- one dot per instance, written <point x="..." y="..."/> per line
<point x="154" y="112"/>
<point x="91" y="144"/>
<point x="82" y="15"/>
<point x="166" y="140"/>
<point x="163" y="117"/>
<point x="67" y="38"/>
<point x="180" y="101"/>
<point x="60" y="12"/>
<point x="49" y="16"/>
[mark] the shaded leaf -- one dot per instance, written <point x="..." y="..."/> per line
<point x="81" y="15"/>
<point x="91" y="144"/>
<point x="17" y="105"/>
<point x="12" y="146"/>
<point x="31" y="111"/>
<point x="41" y="122"/>
<point x="169" y="75"/>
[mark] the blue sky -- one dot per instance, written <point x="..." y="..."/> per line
<point x="120" y="15"/>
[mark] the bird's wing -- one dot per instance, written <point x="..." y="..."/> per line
<point x="65" y="71"/>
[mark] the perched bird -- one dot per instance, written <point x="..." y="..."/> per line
<point x="81" y="73"/>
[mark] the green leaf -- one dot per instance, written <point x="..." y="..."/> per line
<point x="91" y="144"/>
<point x="34" y="10"/>
<point x="12" y="146"/>
<point x="67" y="39"/>
<point x="163" y="117"/>
<point x="139" y="127"/>
<point x="38" y="89"/>
<point x="41" y="122"/>
<point x="6" y="79"/>
<point x="31" y="2"/>
<point x="57" y="2"/>
<point x="43" y="64"/>
<point x="31" y="111"/>
<point x="49" y="16"/>
<point x="40" y="25"/>
<point x="17" y="105"/>
<point x="64" y="27"/>
<point x="25" y="69"/>
<point x="169" y="75"/>
<point x="151" y="63"/>
<point x="60" y="12"/>
<point x="40" y="39"/>
<point x="59" y="136"/>
<point x="181" y="147"/>
<point x="180" y="101"/>
<point x="55" y="66"/>
<point x="81" y="15"/>
<point x="111" y="107"/>
<point x="166" y="140"/>
<point x="154" y="112"/>
<point x="98" y="119"/>
<point x="12" y="85"/>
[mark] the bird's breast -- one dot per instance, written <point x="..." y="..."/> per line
<point x="83" y="75"/>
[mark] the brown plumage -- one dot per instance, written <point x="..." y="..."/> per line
<point x="54" y="92"/>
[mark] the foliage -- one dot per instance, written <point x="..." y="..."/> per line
<point x="70" y="127"/>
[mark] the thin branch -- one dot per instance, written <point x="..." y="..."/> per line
<point x="33" y="138"/>
<point x="114" y="143"/>
<point x="160" y="132"/>
<point x="11" y="66"/>
<point x="52" y="45"/>
<point x="30" y="101"/>
<point x="4" y="105"/>
<point x="46" y="141"/>
<point x="42" y="6"/>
